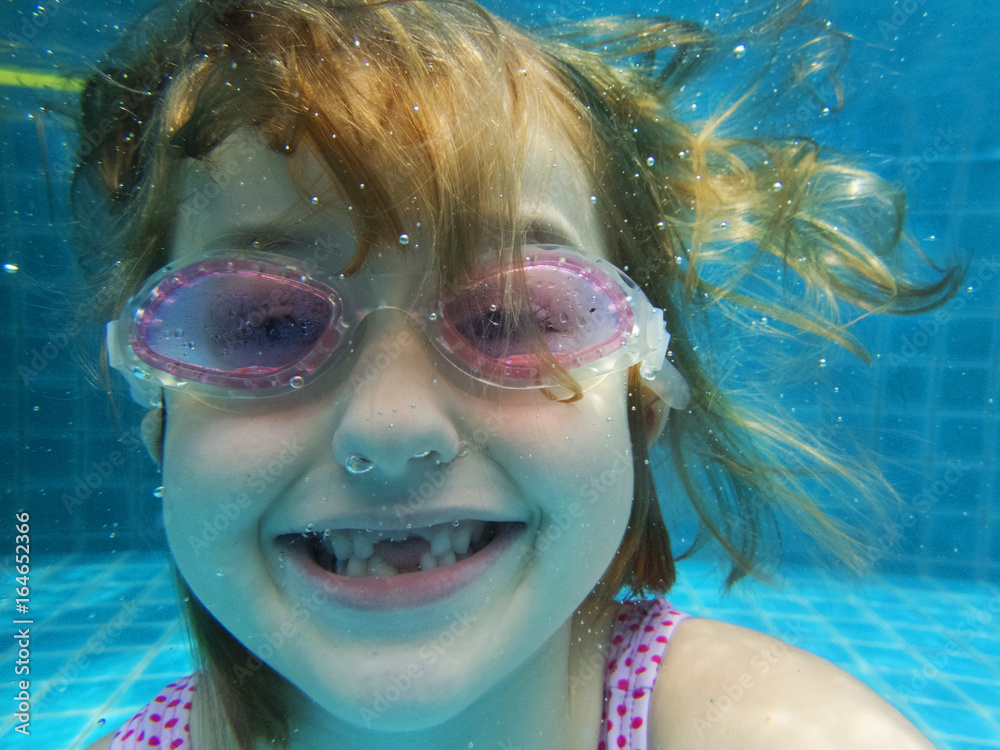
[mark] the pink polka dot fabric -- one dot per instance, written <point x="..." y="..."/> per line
<point x="161" y="724"/>
<point x="638" y="640"/>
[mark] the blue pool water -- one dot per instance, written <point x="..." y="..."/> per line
<point x="111" y="638"/>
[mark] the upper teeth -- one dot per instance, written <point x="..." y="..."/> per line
<point x="452" y="537"/>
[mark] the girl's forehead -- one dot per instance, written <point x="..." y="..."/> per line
<point x="244" y="190"/>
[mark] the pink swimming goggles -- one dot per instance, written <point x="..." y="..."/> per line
<point x="248" y="324"/>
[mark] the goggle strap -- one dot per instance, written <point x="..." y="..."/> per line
<point x="657" y="371"/>
<point x="669" y="385"/>
<point x="146" y="393"/>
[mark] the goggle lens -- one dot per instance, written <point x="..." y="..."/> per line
<point x="577" y="314"/>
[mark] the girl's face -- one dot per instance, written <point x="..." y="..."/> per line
<point x="538" y="491"/>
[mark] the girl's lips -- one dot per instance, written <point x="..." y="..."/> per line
<point x="405" y="590"/>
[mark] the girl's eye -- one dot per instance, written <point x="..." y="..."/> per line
<point x="240" y="323"/>
<point x="497" y="332"/>
<point x="565" y="311"/>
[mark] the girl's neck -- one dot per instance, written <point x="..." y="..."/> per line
<point x="552" y="700"/>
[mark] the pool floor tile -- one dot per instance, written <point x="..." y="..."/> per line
<point x="109" y="638"/>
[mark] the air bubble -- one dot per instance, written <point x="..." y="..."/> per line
<point x="593" y="199"/>
<point x="314" y="200"/>
<point x="651" y="161"/>
<point x="158" y="492"/>
<point x="739" y="50"/>
<point x="432" y="316"/>
<point x="296" y="381"/>
<point x="822" y="362"/>
<point x="404" y="239"/>
<point x="777" y="186"/>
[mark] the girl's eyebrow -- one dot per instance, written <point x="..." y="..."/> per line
<point x="270" y="238"/>
<point x="548" y="233"/>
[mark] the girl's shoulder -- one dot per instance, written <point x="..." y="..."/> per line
<point x="719" y="681"/>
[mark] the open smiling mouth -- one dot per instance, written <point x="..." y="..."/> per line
<point x="357" y="554"/>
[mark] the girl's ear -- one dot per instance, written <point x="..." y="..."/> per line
<point x="152" y="433"/>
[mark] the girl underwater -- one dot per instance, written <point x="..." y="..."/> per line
<point x="431" y="290"/>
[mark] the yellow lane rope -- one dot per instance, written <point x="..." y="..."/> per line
<point x="33" y="79"/>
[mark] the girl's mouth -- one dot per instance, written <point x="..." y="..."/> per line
<point x="394" y="569"/>
<point x="357" y="554"/>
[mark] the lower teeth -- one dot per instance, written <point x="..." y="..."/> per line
<point x="375" y="566"/>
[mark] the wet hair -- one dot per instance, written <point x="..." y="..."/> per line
<point x="429" y="104"/>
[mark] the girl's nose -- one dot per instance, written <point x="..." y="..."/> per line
<point x="398" y="410"/>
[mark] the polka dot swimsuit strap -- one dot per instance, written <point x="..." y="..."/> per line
<point x="638" y="641"/>
<point x="161" y="724"/>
